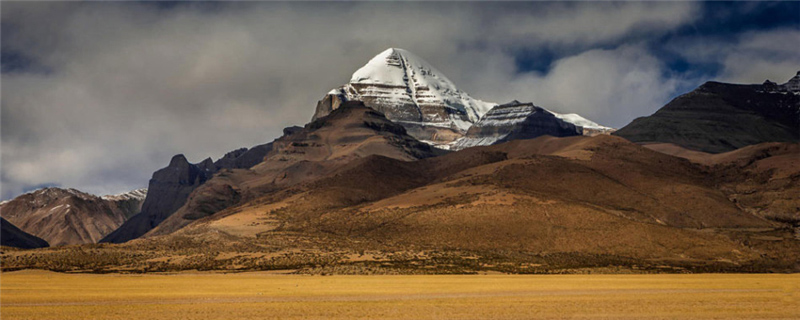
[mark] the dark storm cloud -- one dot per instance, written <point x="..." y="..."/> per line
<point x="98" y="95"/>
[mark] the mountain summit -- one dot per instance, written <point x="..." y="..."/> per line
<point x="409" y="91"/>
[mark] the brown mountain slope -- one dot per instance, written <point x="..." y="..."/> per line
<point x="350" y="132"/>
<point x="68" y="216"/>
<point x="612" y="201"/>
<point x="589" y="195"/>
<point x="541" y="205"/>
<point x="762" y="179"/>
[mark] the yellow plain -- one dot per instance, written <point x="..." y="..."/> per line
<point x="48" y="295"/>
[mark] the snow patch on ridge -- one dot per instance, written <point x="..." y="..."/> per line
<point x="138" y="194"/>
<point x="579" y="121"/>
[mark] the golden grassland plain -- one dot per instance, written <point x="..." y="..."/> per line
<point x="32" y="294"/>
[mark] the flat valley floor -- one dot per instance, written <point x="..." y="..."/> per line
<point x="47" y="295"/>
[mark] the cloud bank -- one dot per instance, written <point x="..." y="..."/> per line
<point x="103" y="94"/>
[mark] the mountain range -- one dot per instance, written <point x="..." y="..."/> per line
<point x="400" y="171"/>
<point x="68" y="216"/>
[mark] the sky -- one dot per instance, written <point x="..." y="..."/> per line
<point x="98" y="95"/>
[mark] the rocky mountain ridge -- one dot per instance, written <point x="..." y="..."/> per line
<point x="719" y="117"/>
<point x="69" y="216"/>
<point x="170" y="187"/>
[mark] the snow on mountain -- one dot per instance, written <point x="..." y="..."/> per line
<point x="411" y="92"/>
<point x="590" y="128"/>
<point x="423" y="85"/>
<point x="138" y="194"/>
<point x="512" y="121"/>
<point x="790" y="87"/>
<point x="793" y="85"/>
<point x="70" y="216"/>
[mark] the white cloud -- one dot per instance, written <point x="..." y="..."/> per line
<point x="131" y="84"/>
<point x="614" y="85"/>
<point x="611" y="86"/>
<point x="750" y="57"/>
<point x="760" y="55"/>
<point x="591" y="23"/>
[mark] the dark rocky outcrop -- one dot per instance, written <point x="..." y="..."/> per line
<point x="720" y="117"/>
<point x="170" y="188"/>
<point x="11" y="236"/>
<point x="332" y="101"/>
<point x="243" y="158"/>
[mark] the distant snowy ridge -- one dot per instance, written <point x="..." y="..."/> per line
<point x="579" y="121"/>
<point x="515" y="120"/>
<point x="138" y="194"/>
<point x="790" y="87"/>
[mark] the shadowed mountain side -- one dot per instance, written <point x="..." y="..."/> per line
<point x="11" y="236"/>
<point x="618" y="179"/>
<point x="720" y="117"/>
<point x="362" y="180"/>
<point x="590" y="195"/>
<point x="348" y="133"/>
<point x="170" y="188"/>
<point x="545" y="205"/>
<point x="763" y="179"/>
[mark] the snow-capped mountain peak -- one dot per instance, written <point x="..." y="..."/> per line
<point x="424" y="84"/>
<point x="411" y="92"/>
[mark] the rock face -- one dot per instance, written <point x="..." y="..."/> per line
<point x="170" y="187"/>
<point x="69" y="216"/>
<point x="243" y="158"/>
<point x="409" y="91"/>
<point x="720" y="117"/>
<point x="168" y="190"/>
<point x="11" y="236"/>
<point x="514" y="121"/>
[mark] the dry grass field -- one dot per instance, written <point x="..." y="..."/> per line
<point x="258" y="295"/>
